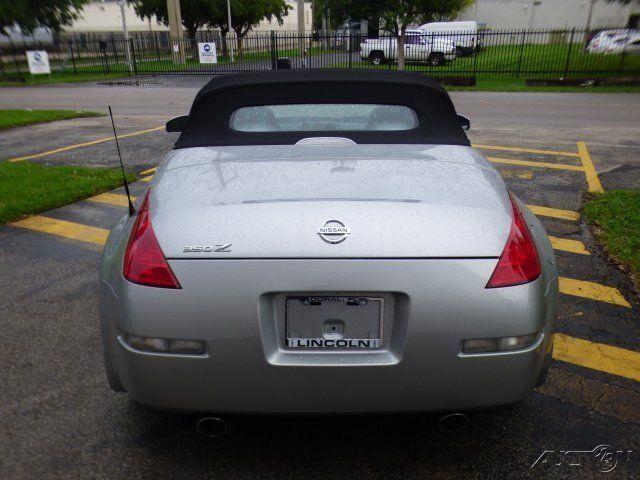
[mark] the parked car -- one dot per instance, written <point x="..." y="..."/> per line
<point x="463" y="34"/>
<point x="327" y="241"/>
<point x="418" y="48"/>
<point x="613" y="41"/>
<point x="632" y="47"/>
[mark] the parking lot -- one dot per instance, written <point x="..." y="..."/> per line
<point x="59" y="419"/>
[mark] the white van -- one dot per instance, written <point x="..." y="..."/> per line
<point x="463" y="34"/>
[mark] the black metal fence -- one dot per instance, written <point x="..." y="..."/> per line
<point x="533" y="53"/>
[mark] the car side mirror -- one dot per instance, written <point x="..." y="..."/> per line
<point x="464" y="122"/>
<point x="177" y="124"/>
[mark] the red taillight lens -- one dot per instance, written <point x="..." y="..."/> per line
<point x="144" y="262"/>
<point x="519" y="261"/>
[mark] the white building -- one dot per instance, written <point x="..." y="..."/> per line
<point x="105" y="16"/>
<point x="510" y="14"/>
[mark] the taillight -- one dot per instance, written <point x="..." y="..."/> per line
<point x="519" y="261"/>
<point x="144" y="262"/>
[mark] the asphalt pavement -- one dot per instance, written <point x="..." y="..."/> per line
<point x="608" y="121"/>
<point x="58" y="419"/>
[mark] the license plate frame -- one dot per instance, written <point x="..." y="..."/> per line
<point x="334" y="322"/>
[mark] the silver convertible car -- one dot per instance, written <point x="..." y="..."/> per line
<point x="326" y="242"/>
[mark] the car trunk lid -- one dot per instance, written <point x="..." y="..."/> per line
<point x="332" y="201"/>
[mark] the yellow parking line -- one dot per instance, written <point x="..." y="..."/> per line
<point x="593" y="291"/>
<point x="147" y="172"/>
<point x="526" y="150"/>
<point x="112" y="199"/>
<point x="528" y="163"/>
<point x="79" y="145"/>
<point x="63" y="228"/>
<point x="589" y="169"/>
<point x="147" y="179"/>
<point x="566" y="245"/>
<point x="597" y="356"/>
<point x="524" y="174"/>
<point x="554" y="212"/>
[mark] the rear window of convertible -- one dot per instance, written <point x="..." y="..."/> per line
<point x="330" y="117"/>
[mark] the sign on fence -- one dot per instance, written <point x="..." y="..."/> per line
<point x="38" y="62"/>
<point x="207" y="52"/>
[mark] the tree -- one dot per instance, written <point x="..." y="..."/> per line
<point x="196" y="14"/>
<point x="339" y="12"/>
<point x="397" y="15"/>
<point x="29" y="14"/>
<point x="246" y="14"/>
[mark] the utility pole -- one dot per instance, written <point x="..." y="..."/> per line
<point x="175" y="30"/>
<point x="301" y="30"/>
<point x="229" y="40"/>
<point x="300" y="8"/>
<point x="127" y="46"/>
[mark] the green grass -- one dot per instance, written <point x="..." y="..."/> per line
<point x="505" y="67"/>
<point x="506" y="60"/>
<point x="518" y="85"/>
<point x="29" y="188"/>
<point x="26" y="79"/>
<point x="531" y="61"/>
<point x="19" y="118"/>
<point x="616" y="214"/>
<point x="89" y="67"/>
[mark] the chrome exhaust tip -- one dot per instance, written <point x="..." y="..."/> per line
<point x="212" y="427"/>
<point x="453" y="422"/>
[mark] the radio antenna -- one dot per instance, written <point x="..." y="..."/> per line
<point x="124" y="175"/>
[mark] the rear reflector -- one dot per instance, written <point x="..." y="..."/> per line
<point x="164" y="345"/>
<point x="144" y="262"/>
<point x="519" y="261"/>
<point x="499" y="344"/>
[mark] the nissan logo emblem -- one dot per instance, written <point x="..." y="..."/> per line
<point x="333" y="231"/>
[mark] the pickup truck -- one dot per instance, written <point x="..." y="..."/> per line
<point x="418" y="47"/>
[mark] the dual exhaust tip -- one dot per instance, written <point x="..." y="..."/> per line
<point x="216" y="427"/>
<point x="453" y="422"/>
<point x="212" y="427"/>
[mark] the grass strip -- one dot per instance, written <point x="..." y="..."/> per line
<point x="29" y="188"/>
<point x="616" y="215"/>
<point x="20" y="118"/>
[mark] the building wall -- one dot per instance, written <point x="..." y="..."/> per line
<point x="290" y="21"/>
<point x="498" y="14"/>
<point x="14" y="35"/>
<point x="104" y="16"/>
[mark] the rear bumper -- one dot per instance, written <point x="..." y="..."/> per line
<point x="235" y="306"/>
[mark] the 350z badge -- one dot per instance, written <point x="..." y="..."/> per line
<point x="218" y="248"/>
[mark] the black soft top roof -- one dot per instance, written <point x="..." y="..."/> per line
<point x="208" y="122"/>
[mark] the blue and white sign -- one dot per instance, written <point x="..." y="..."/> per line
<point x="207" y="52"/>
<point x="38" y="61"/>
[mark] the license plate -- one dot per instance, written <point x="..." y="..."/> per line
<point x="334" y="322"/>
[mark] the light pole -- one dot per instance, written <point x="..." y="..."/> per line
<point x="533" y="11"/>
<point x="229" y="41"/>
<point x="590" y="14"/>
<point x="325" y="24"/>
<point x="301" y="31"/>
<point x="127" y="46"/>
